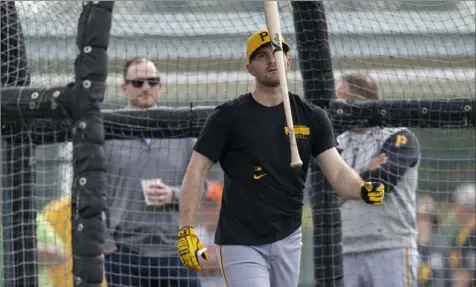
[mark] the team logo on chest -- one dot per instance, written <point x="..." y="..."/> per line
<point x="300" y="131"/>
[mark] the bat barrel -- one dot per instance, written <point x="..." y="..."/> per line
<point x="272" y="22"/>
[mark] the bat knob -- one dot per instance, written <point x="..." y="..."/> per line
<point x="296" y="164"/>
<point x="201" y="251"/>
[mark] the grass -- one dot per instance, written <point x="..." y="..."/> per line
<point x="223" y="65"/>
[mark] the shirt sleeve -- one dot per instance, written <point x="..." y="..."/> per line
<point x="403" y="152"/>
<point x="214" y="136"/>
<point x="324" y="137"/>
<point x="44" y="232"/>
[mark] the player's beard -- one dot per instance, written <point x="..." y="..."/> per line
<point x="269" y="80"/>
<point x="144" y="101"/>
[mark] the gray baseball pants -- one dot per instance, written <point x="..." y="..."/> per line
<point x="270" y="265"/>
<point x="384" y="268"/>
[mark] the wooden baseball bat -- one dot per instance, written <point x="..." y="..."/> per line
<point x="274" y="29"/>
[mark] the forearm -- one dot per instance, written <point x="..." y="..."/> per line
<point x="389" y="175"/>
<point x="211" y="267"/>
<point x="189" y="196"/>
<point x="50" y="254"/>
<point x="176" y="189"/>
<point x="347" y="183"/>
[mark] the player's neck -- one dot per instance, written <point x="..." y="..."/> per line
<point x="268" y="96"/>
<point x="131" y="106"/>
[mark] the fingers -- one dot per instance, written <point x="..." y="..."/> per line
<point x="373" y="193"/>
<point x="377" y="194"/>
<point x="156" y="196"/>
<point x="368" y="186"/>
<point x="190" y="260"/>
<point x="156" y="192"/>
<point x="376" y="197"/>
<point x="190" y="248"/>
<point x="160" y="197"/>
<point x="157" y="185"/>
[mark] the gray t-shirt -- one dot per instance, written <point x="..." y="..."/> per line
<point x="148" y="230"/>
<point x="392" y="224"/>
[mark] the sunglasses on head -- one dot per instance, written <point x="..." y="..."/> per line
<point x="139" y="82"/>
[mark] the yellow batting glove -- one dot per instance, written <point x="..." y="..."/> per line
<point x="189" y="248"/>
<point x="372" y="192"/>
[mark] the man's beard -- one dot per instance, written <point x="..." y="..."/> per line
<point x="269" y="81"/>
<point x="143" y="103"/>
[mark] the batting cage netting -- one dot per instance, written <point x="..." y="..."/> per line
<point x="78" y="158"/>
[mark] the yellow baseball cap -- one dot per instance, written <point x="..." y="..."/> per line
<point x="259" y="39"/>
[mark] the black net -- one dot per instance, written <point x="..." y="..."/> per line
<point x="421" y="54"/>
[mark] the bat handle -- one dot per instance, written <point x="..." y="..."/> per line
<point x="296" y="161"/>
<point x="272" y="22"/>
<point x="201" y="251"/>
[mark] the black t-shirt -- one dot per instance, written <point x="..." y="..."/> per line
<point x="263" y="194"/>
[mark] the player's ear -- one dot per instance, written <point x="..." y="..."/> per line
<point x="249" y="67"/>
<point x="124" y="89"/>
<point x="288" y="61"/>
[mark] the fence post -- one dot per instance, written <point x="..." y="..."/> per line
<point x="89" y="164"/>
<point x="18" y="210"/>
<point x="318" y="82"/>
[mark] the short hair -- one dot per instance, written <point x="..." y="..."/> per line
<point x="465" y="194"/>
<point x="135" y="60"/>
<point x="363" y="85"/>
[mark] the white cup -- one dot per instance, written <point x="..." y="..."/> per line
<point x="145" y="187"/>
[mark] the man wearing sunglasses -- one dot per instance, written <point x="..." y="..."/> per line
<point x="141" y="83"/>
<point x="144" y="177"/>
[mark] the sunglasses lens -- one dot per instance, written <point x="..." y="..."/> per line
<point x="153" y="82"/>
<point x="137" y="83"/>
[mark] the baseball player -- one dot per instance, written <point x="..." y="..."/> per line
<point x="50" y="251"/>
<point x="431" y="267"/>
<point x="463" y="245"/>
<point x="379" y="244"/>
<point x="259" y="227"/>
<point x="57" y="215"/>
